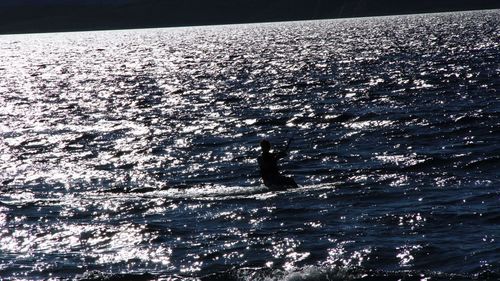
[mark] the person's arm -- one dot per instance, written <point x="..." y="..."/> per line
<point x="284" y="153"/>
<point x="280" y="154"/>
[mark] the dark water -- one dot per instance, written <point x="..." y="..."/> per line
<point x="132" y="154"/>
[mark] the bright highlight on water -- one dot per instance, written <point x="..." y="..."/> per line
<point x="133" y="154"/>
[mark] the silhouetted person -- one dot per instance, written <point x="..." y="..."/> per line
<point x="268" y="163"/>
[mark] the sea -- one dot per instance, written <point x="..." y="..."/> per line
<point x="131" y="154"/>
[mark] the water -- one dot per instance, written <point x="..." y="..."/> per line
<point x="132" y="154"/>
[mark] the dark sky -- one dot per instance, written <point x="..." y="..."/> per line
<point x="60" y="2"/>
<point x="17" y="16"/>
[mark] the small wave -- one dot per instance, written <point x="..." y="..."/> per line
<point x="314" y="273"/>
<point x="311" y="273"/>
<point x="485" y="163"/>
<point x="99" y="276"/>
<point x="208" y="191"/>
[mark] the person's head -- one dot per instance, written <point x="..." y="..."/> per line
<point x="265" y="145"/>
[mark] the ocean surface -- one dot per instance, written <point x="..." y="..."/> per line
<point x="131" y="155"/>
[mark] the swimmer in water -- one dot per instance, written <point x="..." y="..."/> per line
<point x="268" y="163"/>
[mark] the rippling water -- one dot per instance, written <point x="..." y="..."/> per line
<point x="132" y="154"/>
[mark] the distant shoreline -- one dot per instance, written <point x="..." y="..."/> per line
<point x="157" y="14"/>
